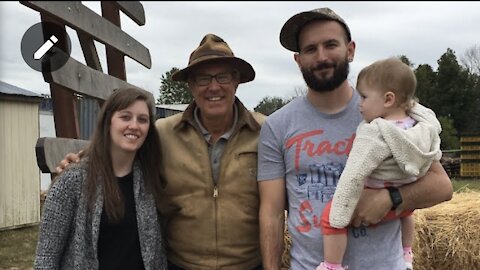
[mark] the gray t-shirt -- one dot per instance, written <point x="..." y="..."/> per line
<point x="309" y="149"/>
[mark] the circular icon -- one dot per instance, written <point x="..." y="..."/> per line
<point x="46" y="47"/>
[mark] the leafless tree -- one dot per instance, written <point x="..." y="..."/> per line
<point x="471" y="59"/>
<point x="297" y="92"/>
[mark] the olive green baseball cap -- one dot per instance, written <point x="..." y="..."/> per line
<point x="291" y="29"/>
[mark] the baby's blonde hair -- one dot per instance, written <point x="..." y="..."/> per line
<point x="393" y="75"/>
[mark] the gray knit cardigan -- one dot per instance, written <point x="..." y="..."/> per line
<point x="69" y="232"/>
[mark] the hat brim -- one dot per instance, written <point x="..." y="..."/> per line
<point x="290" y="30"/>
<point x="247" y="73"/>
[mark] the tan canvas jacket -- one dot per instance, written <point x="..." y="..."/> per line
<point x="211" y="226"/>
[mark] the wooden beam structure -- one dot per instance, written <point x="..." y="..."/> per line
<point x="75" y="79"/>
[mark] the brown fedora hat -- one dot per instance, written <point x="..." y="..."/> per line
<point x="213" y="49"/>
<point x="291" y="29"/>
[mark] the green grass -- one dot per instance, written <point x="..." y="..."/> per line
<point x="460" y="185"/>
<point x="17" y="248"/>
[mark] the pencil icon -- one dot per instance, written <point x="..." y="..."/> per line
<point x="45" y="47"/>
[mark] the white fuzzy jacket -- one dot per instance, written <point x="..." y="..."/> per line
<point x="383" y="151"/>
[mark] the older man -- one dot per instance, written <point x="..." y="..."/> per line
<point x="209" y="161"/>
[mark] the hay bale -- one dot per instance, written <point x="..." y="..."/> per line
<point x="287" y="243"/>
<point x="447" y="236"/>
<point x="43" y="197"/>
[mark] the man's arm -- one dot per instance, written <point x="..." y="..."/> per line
<point x="433" y="188"/>
<point x="272" y="221"/>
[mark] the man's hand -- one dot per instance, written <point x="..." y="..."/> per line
<point x="373" y="206"/>
<point x="69" y="158"/>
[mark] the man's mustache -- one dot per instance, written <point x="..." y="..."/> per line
<point x="324" y="65"/>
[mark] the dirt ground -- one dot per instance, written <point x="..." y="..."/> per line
<point x="17" y="248"/>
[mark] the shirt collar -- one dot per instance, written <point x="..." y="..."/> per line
<point x="244" y="118"/>
<point x="206" y="135"/>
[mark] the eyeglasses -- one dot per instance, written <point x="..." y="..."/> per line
<point x="205" y="79"/>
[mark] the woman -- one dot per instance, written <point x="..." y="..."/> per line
<point x="101" y="213"/>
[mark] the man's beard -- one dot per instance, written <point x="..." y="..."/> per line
<point x="340" y="74"/>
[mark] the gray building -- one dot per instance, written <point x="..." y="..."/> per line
<point x="166" y="110"/>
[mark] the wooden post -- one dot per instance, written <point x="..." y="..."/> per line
<point x="115" y="59"/>
<point x="64" y="101"/>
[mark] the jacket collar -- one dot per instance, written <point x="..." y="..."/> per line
<point x="245" y="118"/>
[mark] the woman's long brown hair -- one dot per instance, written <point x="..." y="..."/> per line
<point x="99" y="159"/>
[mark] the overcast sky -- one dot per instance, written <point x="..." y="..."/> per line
<point x="420" y="30"/>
